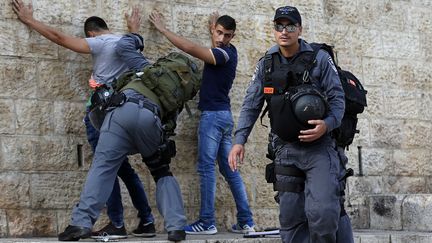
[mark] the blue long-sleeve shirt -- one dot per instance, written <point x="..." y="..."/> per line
<point x="324" y="74"/>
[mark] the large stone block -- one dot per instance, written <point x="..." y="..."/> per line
<point x="425" y="105"/>
<point x="383" y="15"/>
<point x="417" y="237"/>
<point x="15" y="188"/>
<point x="375" y="100"/>
<point x="34" y="117"/>
<point x="18" y="78"/>
<point x="386" y="212"/>
<point x="374" y="162"/>
<point x="7" y="117"/>
<point x="342" y="11"/>
<point x="375" y="238"/>
<point x="56" y="191"/>
<point x="412" y="162"/>
<point x="357" y="209"/>
<point x="387" y="133"/>
<point x="366" y="42"/>
<point x="3" y="224"/>
<point x="379" y="72"/>
<point x="44" y="153"/>
<point x="404" y="185"/>
<point x="31" y="223"/>
<point x="402" y="104"/>
<point x="416" y="212"/>
<point x="413" y="75"/>
<point x="393" y="40"/>
<point x="415" y="133"/>
<point x="68" y="118"/>
<point x="363" y="185"/>
<point x="62" y="80"/>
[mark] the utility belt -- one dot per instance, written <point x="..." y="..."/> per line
<point x="146" y="105"/>
<point x="105" y="99"/>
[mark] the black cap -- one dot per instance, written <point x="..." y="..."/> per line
<point x="288" y="12"/>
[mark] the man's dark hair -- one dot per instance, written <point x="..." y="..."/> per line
<point x="94" y="23"/>
<point x="227" y="22"/>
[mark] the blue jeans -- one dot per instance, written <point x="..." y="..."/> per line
<point x="214" y="143"/>
<point x="130" y="179"/>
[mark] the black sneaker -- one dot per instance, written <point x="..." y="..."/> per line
<point x="110" y="232"/>
<point x="74" y="233"/>
<point x="145" y="230"/>
<point x="176" y="235"/>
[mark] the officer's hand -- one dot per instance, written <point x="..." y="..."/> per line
<point x="236" y="154"/>
<point x="134" y="20"/>
<point x="311" y="135"/>
<point x="24" y="13"/>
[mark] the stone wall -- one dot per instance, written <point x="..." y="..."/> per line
<point x="43" y="91"/>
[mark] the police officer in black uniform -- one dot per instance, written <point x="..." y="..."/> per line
<point x="306" y="161"/>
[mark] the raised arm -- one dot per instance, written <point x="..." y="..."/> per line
<point x="134" y="20"/>
<point x="182" y="43"/>
<point x="212" y="22"/>
<point x="25" y="15"/>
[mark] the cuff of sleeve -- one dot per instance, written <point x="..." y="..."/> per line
<point x="330" y="123"/>
<point x="240" y="140"/>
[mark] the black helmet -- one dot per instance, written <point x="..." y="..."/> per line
<point x="308" y="104"/>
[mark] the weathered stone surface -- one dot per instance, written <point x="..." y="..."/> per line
<point x="375" y="162"/>
<point x="404" y="185"/>
<point x="56" y="191"/>
<point x="34" y="117"/>
<point x="30" y="223"/>
<point x="415" y="133"/>
<point x="387" y="133"/>
<point x="401" y="103"/>
<point x="266" y="217"/>
<point x="386" y="212"/>
<point x="3" y="224"/>
<point x="18" y="80"/>
<point x="66" y="118"/>
<point x="412" y="162"/>
<point x="19" y="222"/>
<point x="378" y="238"/>
<point x="62" y="80"/>
<point x="43" y="153"/>
<point x="15" y="188"/>
<point x="416" y="212"/>
<point x="7" y="117"/>
<point x="358" y="211"/>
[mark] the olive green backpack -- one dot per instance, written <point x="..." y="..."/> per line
<point x="170" y="82"/>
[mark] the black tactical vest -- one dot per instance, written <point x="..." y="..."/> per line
<point x="285" y="82"/>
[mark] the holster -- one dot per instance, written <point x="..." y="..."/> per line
<point x="270" y="174"/>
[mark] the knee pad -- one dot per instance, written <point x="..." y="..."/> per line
<point x="158" y="166"/>
<point x="158" y="163"/>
